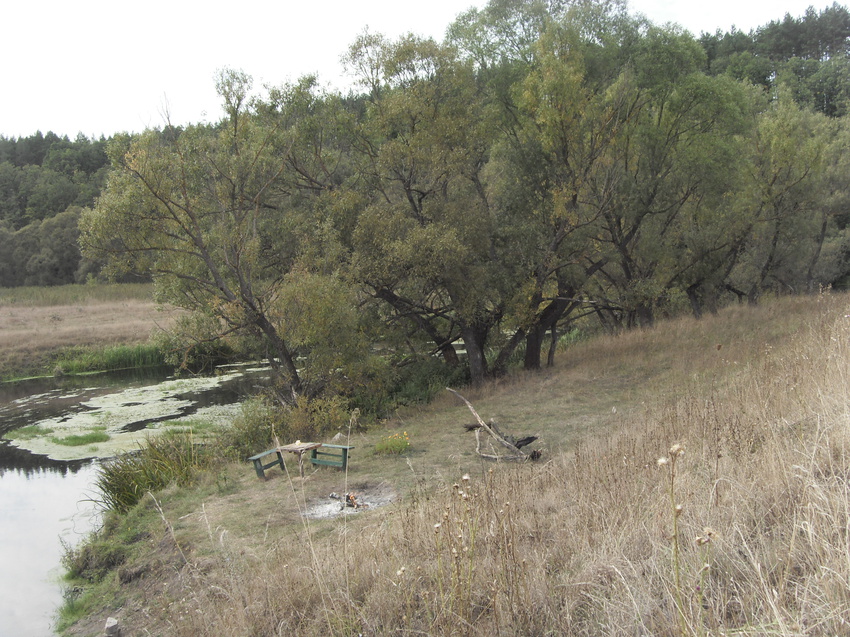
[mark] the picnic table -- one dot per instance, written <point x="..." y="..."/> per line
<point x="300" y="448"/>
<point x="324" y="454"/>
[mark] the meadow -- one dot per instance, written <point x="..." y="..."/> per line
<point x="693" y="482"/>
<point x="37" y="324"/>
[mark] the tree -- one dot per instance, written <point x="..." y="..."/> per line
<point x="424" y="243"/>
<point x="210" y="212"/>
<point x="785" y="200"/>
<point x="675" y="157"/>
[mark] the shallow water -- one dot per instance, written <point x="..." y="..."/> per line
<point x="46" y="501"/>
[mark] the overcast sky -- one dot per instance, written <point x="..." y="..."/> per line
<point x="100" y="67"/>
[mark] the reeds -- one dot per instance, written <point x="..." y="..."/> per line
<point x="80" y="360"/>
<point x="173" y="457"/>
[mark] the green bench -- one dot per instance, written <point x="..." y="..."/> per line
<point x="331" y="456"/>
<point x="260" y="468"/>
<point x="326" y="455"/>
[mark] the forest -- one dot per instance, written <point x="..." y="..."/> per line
<point x="45" y="182"/>
<point x="472" y="199"/>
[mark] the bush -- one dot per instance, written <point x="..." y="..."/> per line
<point x="397" y="444"/>
<point x="423" y="379"/>
<point x="261" y="421"/>
<point x="254" y="429"/>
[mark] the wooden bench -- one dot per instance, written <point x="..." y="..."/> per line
<point x="260" y="468"/>
<point x="331" y="456"/>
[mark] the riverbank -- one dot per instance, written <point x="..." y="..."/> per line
<point x="615" y="527"/>
<point x="36" y="323"/>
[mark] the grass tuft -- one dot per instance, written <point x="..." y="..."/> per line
<point x="80" y="440"/>
<point x="397" y="443"/>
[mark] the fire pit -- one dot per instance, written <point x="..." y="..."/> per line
<point x="360" y="498"/>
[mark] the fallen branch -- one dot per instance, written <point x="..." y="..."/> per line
<point x="518" y="454"/>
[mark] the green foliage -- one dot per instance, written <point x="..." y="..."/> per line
<point x="421" y="380"/>
<point x="105" y="549"/>
<point x="550" y="161"/>
<point x="45" y="181"/>
<point x="254" y="429"/>
<point x="94" y="558"/>
<point x="263" y="421"/>
<point x="170" y="457"/>
<point x="195" y="343"/>
<point x="394" y="444"/>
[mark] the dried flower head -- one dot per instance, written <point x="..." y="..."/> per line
<point x="465" y="477"/>
<point x="676" y="450"/>
<point x="678" y="510"/>
<point x="661" y="462"/>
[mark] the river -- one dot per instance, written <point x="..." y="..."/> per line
<point x="46" y="489"/>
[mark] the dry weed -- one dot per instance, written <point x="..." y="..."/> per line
<point x="748" y="536"/>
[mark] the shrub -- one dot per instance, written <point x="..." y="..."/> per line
<point x="254" y="429"/>
<point x="261" y="421"/>
<point x="423" y="379"/>
<point x="397" y="444"/>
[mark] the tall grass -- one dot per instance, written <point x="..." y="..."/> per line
<point x="82" y="359"/>
<point x="31" y="296"/>
<point x="742" y="529"/>
<point x="172" y="457"/>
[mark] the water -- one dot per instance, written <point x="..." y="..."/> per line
<point x="46" y="501"/>
<point x="41" y="508"/>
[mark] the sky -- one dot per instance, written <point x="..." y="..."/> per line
<point x="99" y="67"/>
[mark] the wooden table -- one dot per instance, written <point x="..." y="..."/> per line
<point x="300" y="448"/>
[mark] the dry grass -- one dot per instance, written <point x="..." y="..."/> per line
<point x="581" y="544"/>
<point x="36" y="322"/>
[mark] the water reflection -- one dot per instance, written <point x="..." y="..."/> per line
<point x="45" y="502"/>
<point x="41" y="508"/>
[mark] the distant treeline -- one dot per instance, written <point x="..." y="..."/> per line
<point x="45" y="182"/>
<point x="807" y="55"/>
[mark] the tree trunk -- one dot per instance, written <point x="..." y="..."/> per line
<point x="694" y="298"/>
<point x="474" y="341"/>
<point x="533" y="347"/>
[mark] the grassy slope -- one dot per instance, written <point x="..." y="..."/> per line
<point x="579" y="543"/>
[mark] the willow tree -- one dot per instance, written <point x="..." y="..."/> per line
<point x="211" y="213"/>
<point x="426" y="242"/>
<point x="796" y="184"/>
<point x="673" y="161"/>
